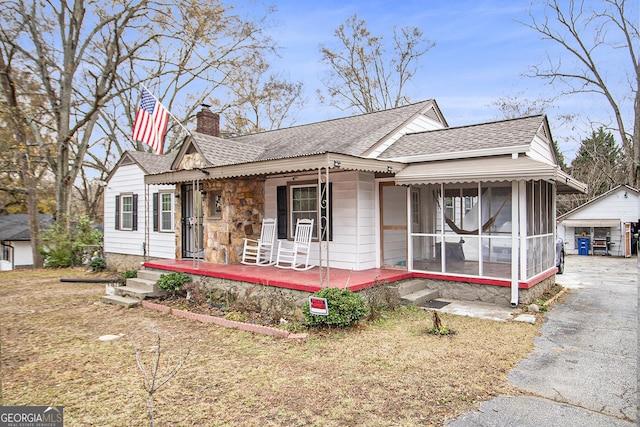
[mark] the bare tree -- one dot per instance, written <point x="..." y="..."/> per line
<point x="202" y="48"/>
<point x="261" y="101"/>
<point x="363" y="75"/>
<point x="22" y="163"/>
<point x="74" y="56"/>
<point x="154" y="375"/>
<point x="90" y="57"/>
<point x="586" y="35"/>
<point x="512" y="107"/>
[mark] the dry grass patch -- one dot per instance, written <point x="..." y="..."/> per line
<point x="387" y="373"/>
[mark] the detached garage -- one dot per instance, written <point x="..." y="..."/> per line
<point x="606" y="225"/>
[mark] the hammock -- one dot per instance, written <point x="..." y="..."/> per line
<point x="485" y="227"/>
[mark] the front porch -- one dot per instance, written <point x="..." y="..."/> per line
<point x="495" y="291"/>
<point x="307" y="281"/>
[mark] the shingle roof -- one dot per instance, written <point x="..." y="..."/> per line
<point x="504" y="133"/>
<point x="350" y="135"/>
<point x="15" y="227"/>
<point x="151" y="163"/>
<point x="220" y="152"/>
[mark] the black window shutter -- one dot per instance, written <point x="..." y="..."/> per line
<point x="117" y="212"/>
<point x="327" y="215"/>
<point x="134" y="215"/>
<point x="155" y="211"/>
<point x="282" y="211"/>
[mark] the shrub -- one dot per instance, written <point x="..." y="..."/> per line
<point x="380" y="298"/>
<point x="128" y="274"/>
<point x="345" y="308"/>
<point x="173" y="282"/>
<point x="67" y="241"/>
<point x="97" y="264"/>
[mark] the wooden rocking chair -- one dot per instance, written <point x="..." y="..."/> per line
<point x="260" y="251"/>
<point x="295" y="254"/>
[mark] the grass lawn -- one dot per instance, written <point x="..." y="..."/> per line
<point x="388" y="373"/>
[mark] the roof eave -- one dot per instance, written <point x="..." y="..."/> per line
<point x="485" y="152"/>
<point x="332" y="161"/>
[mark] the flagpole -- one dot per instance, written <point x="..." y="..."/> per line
<point x="170" y="113"/>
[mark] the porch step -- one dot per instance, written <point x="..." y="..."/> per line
<point x="142" y="286"/>
<point x="120" y="300"/>
<point x="150" y="274"/>
<point x="419" y="298"/>
<point x="411" y="286"/>
<point x="416" y="292"/>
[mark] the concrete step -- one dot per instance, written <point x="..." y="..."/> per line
<point x="150" y="274"/>
<point x="120" y="300"/>
<point x="420" y="297"/>
<point x="143" y="284"/>
<point x="411" y="286"/>
<point x="136" y="293"/>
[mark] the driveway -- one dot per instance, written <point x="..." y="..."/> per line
<point x="583" y="370"/>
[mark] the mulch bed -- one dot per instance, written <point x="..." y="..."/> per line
<point x="239" y="314"/>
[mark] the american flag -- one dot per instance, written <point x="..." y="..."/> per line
<point x="150" y="124"/>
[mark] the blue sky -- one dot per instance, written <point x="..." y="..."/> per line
<point x="480" y="56"/>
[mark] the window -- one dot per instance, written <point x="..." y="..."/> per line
<point x="449" y="211"/>
<point x="304" y="205"/>
<point x="126" y="212"/>
<point x="302" y="201"/>
<point x="215" y="204"/>
<point x="166" y="212"/>
<point x="163" y="211"/>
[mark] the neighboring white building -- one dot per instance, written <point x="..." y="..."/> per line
<point x="604" y="225"/>
<point x="138" y="218"/>
<point x="15" y="240"/>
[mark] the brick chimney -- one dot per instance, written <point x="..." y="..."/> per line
<point x="208" y="122"/>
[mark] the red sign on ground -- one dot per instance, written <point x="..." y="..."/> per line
<point x="318" y="306"/>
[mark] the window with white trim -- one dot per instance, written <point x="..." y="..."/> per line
<point x="304" y="205"/>
<point x="126" y="212"/>
<point x="166" y="211"/>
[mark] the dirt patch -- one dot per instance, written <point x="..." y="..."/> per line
<point x="385" y="373"/>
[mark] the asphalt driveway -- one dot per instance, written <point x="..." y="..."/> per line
<point x="583" y="370"/>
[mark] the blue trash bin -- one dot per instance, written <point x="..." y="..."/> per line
<point x="583" y="245"/>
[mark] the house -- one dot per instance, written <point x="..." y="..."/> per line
<point x="15" y="240"/>
<point x="470" y="206"/>
<point x="139" y="219"/>
<point x="605" y="225"/>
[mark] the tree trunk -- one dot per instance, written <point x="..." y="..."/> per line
<point x="32" y="209"/>
<point x="634" y="169"/>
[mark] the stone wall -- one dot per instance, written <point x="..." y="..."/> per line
<point x="122" y="262"/>
<point x="276" y="302"/>
<point x="499" y="295"/>
<point x="242" y="210"/>
<point x="527" y="296"/>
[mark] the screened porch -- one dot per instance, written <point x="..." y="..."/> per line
<point x="494" y="230"/>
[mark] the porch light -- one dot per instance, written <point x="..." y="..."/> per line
<point x="389" y="169"/>
<point x="337" y="163"/>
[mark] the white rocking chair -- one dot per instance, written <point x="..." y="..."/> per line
<point x="295" y="254"/>
<point x="260" y="251"/>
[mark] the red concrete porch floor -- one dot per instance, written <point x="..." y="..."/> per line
<point x="308" y="281"/>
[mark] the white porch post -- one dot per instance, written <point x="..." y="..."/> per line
<point x="524" y="208"/>
<point x="323" y="232"/>
<point x="516" y="240"/>
<point x="409" y="230"/>
<point x="145" y="249"/>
